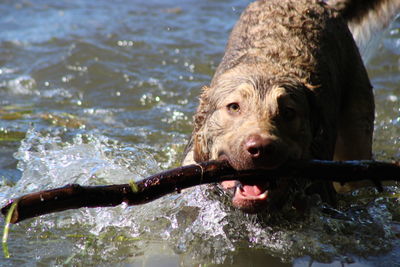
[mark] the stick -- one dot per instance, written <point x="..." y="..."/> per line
<point x="74" y="196"/>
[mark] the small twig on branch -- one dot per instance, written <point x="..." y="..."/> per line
<point x="74" y="196"/>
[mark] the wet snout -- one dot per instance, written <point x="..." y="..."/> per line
<point x="262" y="151"/>
<point x="259" y="147"/>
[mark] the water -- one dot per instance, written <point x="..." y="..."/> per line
<point x="103" y="92"/>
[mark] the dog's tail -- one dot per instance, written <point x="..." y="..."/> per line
<point x="367" y="20"/>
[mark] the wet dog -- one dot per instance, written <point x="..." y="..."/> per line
<point x="291" y="85"/>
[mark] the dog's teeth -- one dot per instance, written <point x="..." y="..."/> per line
<point x="264" y="195"/>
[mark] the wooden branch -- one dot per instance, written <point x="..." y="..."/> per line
<point x="74" y="196"/>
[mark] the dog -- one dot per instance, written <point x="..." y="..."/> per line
<point x="291" y="85"/>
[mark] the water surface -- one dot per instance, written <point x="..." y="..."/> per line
<point x="102" y="92"/>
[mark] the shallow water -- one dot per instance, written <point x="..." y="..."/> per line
<point x="102" y="93"/>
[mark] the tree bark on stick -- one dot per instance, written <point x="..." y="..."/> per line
<point x="74" y="196"/>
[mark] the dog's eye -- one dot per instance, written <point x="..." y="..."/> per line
<point x="233" y="107"/>
<point x="289" y="113"/>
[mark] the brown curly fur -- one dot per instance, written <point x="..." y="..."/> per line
<point x="284" y="54"/>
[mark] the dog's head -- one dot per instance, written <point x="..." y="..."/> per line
<point x="254" y="122"/>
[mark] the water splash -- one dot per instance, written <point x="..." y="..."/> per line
<point x="198" y="224"/>
<point x="22" y="85"/>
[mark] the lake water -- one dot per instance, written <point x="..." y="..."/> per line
<point x="102" y="92"/>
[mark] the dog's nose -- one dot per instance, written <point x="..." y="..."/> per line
<point x="258" y="146"/>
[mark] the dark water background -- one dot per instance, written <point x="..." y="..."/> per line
<point x="101" y="92"/>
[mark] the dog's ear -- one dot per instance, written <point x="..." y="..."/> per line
<point x="323" y="141"/>
<point x="203" y="109"/>
<point x="315" y="116"/>
<point x="199" y="137"/>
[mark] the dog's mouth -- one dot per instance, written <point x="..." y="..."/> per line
<point x="251" y="192"/>
<point x="250" y="198"/>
